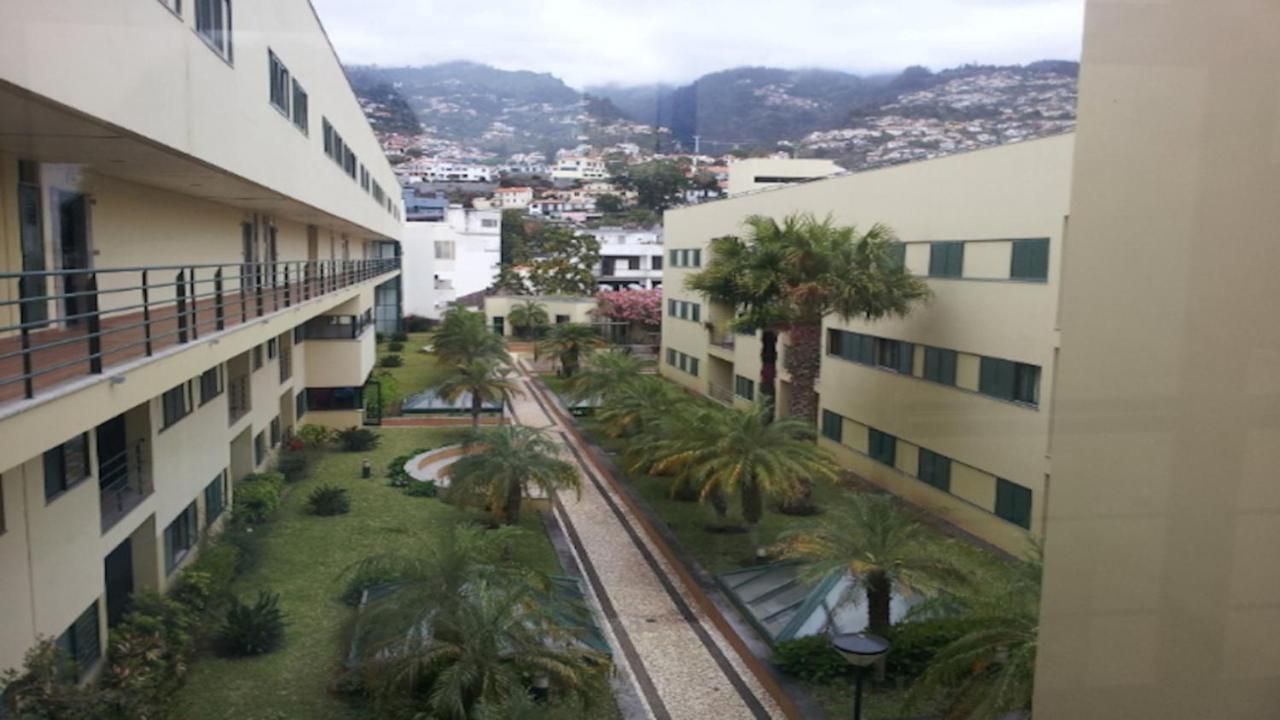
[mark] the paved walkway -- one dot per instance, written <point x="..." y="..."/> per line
<point x="682" y="664"/>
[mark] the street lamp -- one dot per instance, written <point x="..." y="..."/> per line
<point x="861" y="650"/>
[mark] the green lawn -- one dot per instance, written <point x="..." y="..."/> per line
<point x="419" y="371"/>
<point x="303" y="559"/>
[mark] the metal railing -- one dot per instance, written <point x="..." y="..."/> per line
<point x="103" y="316"/>
<point x="118" y="493"/>
<point x="720" y="393"/>
<point x="723" y="339"/>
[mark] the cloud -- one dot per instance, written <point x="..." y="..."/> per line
<point x="588" y="42"/>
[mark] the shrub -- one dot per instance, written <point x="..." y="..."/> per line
<point x="416" y="323"/>
<point x="257" y="497"/>
<point x="810" y="658"/>
<point x="370" y="573"/>
<point x="915" y="643"/>
<point x="150" y="653"/>
<point x="422" y="489"/>
<point x="357" y="439"/>
<point x="315" y="436"/>
<point x="252" y="629"/>
<point x="379" y="337"/>
<point x="392" y="361"/>
<point x="208" y="580"/>
<point x="44" y="688"/>
<point x="399" y="336"/>
<point x="292" y="464"/>
<point x="328" y="500"/>
<point x="395" y="347"/>
<point x="247" y="543"/>
<point x="294" y="444"/>
<point x="396" y="473"/>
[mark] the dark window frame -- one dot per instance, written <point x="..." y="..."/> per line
<point x="1014" y="503"/>
<point x="82" y="641"/>
<point x="301" y="108"/>
<point x="56" y="465"/>
<point x="744" y="387"/>
<point x="170" y="413"/>
<point x="210" y="390"/>
<point x="940" y="365"/>
<point x="882" y="447"/>
<point x="180" y="537"/>
<point x="934" y="469"/>
<point x="832" y="426"/>
<point x="946" y="259"/>
<point x="215" y="498"/>
<point x="1029" y="260"/>
<point x="280" y="84"/>
<point x="214" y="25"/>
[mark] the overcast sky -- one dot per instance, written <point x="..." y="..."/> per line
<point x="588" y="42"/>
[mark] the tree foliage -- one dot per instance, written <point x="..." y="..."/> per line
<point x="659" y="184"/>
<point x="565" y="263"/>
<point x="502" y="465"/>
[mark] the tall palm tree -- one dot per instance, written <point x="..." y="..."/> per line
<point x="606" y="373"/>
<point x="463" y="338"/>
<point x="569" y="342"/>
<point x="638" y="403"/>
<point x="504" y="463"/>
<point x="484" y="380"/>
<point x="743" y="453"/>
<point x="528" y="316"/>
<point x="988" y="672"/>
<point x="882" y="546"/>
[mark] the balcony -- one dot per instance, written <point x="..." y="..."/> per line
<point x="720" y="393"/>
<point x="124" y="463"/>
<point x="74" y="323"/>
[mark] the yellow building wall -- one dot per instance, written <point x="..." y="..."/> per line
<point x="577" y="308"/>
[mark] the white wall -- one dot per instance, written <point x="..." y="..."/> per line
<point x="431" y="283"/>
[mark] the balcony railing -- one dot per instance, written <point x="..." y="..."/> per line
<point x="122" y="489"/>
<point x="723" y="339"/>
<point x="99" y="318"/>
<point x="720" y="393"/>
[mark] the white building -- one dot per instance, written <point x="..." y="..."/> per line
<point x="758" y="173"/>
<point x="448" y="259"/>
<point x="629" y="258"/>
<point x="433" y="170"/>
<point x="580" y="168"/>
<point x="512" y="198"/>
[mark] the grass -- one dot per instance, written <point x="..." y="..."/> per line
<point x="303" y="558"/>
<point x="419" y="371"/>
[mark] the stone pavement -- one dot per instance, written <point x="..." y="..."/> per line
<point x="666" y="636"/>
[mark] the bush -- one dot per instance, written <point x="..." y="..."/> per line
<point x="252" y="629"/>
<point x="357" y="439"/>
<point x="416" y="323"/>
<point x="915" y="644"/>
<point x="810" y="658"/>
<point x="207" y="581"/>
<point x="399" y="336"/>
<point x="396" y="473"/>
<point x="379" y="337"/>
<point x="257" y="497"/>
<point x="422" y="489"/>
<point x="370" y="573"/>
<point x="391" y="361"/>
<point x="150" y="653"/>
<point x="45" y="689"/>
<point x="292" y="465"/>
<point x="247" y="543"/>
<point x="315" y="436"/>
<point x="328" y="500"/>
<point x="294" y="444"/>
<point x="395" y="347"/>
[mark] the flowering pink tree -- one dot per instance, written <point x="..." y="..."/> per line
<point x="641" y="308"/>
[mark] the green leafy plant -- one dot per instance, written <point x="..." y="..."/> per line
<point x="811" y="658"/>
<point x="315" y="436"/>
<point x="395" y="347"/>
<point x="915" y="644"/>
<point x="424" y="488"/>
<point x="150" y="653"/>
<point x="370" y="573"/>
<point x="207" y="581"/>
<point x="399" y="336"/>
<point x="328" y="500"/>
<point x="292" y="465"/>
<point x="357" y="439"/>
<point x="391" y="361"/>
<point x="252" y="629"/>
<point x="257" y="497"/>
<point x="44" y="688"/>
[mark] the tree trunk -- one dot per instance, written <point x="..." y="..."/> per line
<point x="476" y="406"/>
<point x="769" y="370"/>
<point x="803" y="362"/>
<point x="511" y="509"/>
<point x="752" y="511"/>
<point x="879" y="595"/>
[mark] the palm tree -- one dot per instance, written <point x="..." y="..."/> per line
<point x="743" y="453"/>
<point x="484" y="380"/>
<point x="466" y="627"/>
<point x="528" y="316"/>
<point x="504" y="463"/>
<point x="569" y="342"/>
<point x="638" y="403"/>
<point x="604" y="374"/>
<point x="988" y="672"/>
<point x="464" y="338"/>
<point x="882" y="546"/>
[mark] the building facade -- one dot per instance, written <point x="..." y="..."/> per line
<point x="751" y="174"/>
<point x="947" y="407"/>
<point x="197" y="240"/>
<point x="580" y="169"/>
<point x="629" y="258"/>
<point x="450" y="258"/>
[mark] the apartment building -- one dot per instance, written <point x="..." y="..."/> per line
<point x="196" y="240"/>
<point x="450" y="258"/>
<point x="580" y="169"/>
<point x="947" y="407"/>
<point x="629" y="258"/>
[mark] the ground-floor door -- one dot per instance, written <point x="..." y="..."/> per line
<point x="119" y="572"/>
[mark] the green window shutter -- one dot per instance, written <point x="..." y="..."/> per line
<point x="832" y="426"/>
<point x="866" y="350"/>
<point x="1013" y="503"/>
<point x="1030" y="259"/>
<point x="996" y="378"/>
<point x="940" y="365"/>
<point x="946" y="259"/>
<point x="935" y="469"/>
<point x="54" y="473"/>
<point x="882" y="446"/>
<point x="906" y="357"/>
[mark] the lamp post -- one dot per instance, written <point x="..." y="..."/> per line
<point x="861" y="650"/>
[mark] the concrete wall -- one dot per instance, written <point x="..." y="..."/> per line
<point x="578" y="309"/>
<point x="986" y="199"/>
<point x="750" y="174"/>
<point x="1161" y="594"/>
<point x="431" y="283"/>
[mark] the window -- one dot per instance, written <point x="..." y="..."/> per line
<point x="444" y="249"/>
<point x="1030" y="259"/>
<point x="213" y="23"/>
<point x="280" y="83"/>
<point x="180" y="537"/>
<point x="671" y="357"/>
<point x="656" y="262"/>
<point x="684" y="310"/>
<point x="832" y="426"/>
<point x="215" y="498"/>
<point x="946" y="259"/>
<point x="686" y="258"/>
<point x="744" y="387"/>
<point x="210" y="384"/>
<point x="275" y="431"/>
<point x="82" y="642"/>
<point x="1013" y="503"/>
<point x="882" y="446"/>
<point x="175" y="404"/>
<point x="894" y="355"/>
<point x="850" y="346"/>
<point x="682" y="362"/>
<point x="286" y="358"/>
<point x="1009" y="380"/>
<point x="300" y="119"/>
<point x="273" y="349"/>
<point x="259" y="448"/>
<point x="489" y="223"/>
<point x="299" y="334"/>
<point x="562" y="319"/>
<point x="940" y="365"/>
<point x="340" y="398"/>
<point x="935" y="469"/>
<point x="299" y="405"/>
<point x="66" y="465"/>
<point x="257" y="357"/>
